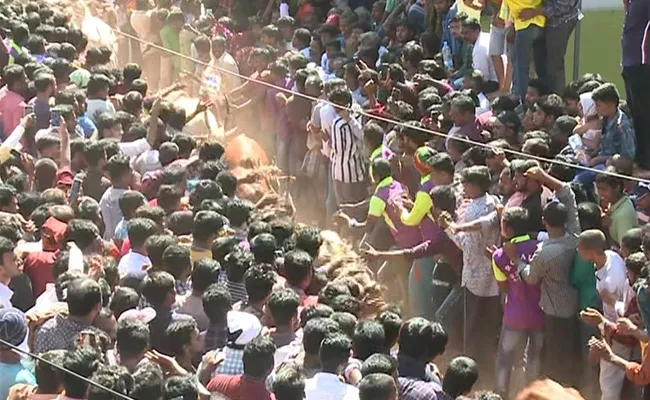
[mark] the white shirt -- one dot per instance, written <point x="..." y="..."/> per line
<point x="109" y="205"/>
<point x="481" y="58"/>
<point x="612" y="278"/>
<point x="484" y="104"/>
<point x="133" y="265"/>
<point x="148" y="161"/>
<point x="134" y="148"/>
<point x="327" y="116"/>
<point x="5" y="296"/>
<point x="326" y="386"/>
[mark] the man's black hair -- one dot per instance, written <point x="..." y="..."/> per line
<point x="117" y="166"/>
<point x="606" y="93"/>
<point x="113" y="377"/>
<point x="258" y="227"/>
<point x="258" y="281"/>
<point x="314" y="311"/>
<point x="392" y="323"/>
<point x="381" y="169"/>
<point x="464" y="104"/>
<point x="539" y="85"/>
<point x="157" y="286"/>
<point x="610" y="180"/>
<point x="42" y="82"/>
<point x="210" y="170"/>
<point x="315" y="331"/>
<point x="258" y="357"/>
<point x="180" y="387"/>
<point x="346" y="303"/>
<point x="341" y="97"/>
<point x="377" y="387"/>
<point x="298" y="265"/>
<point x="206" y="272"/>
<point x="347" y="322"/>
<point x="228" y="182"/>
<point x="334" y="352"/>
<point x="413" y="53"/>
<point x="207" y="223"/>
<point x="332" y="290"/>
<point x="444" y="198"/>
<point x="140" y="229"/>
<point x="373" y="133"/>
<point x="7" y="194"/>
<point x="238" y="211"/>
<point x="551" y="104"/>
<point x="217" y="302"/>
<point x="263" y="247"/>
<point x="177" y="260"/>
<point x="148" y="382"/>
<point x="422" y="339"/>
<point x="516" y="218"/>
<point x="123" y="299"/>
<point x="83" y="296"/>
<point x="283" y="306"/>
<point x="83" y="361"/>
<point x="223" y="246"/>
<point x="48" y="377"/>
<point x="97" y="83"/>
<point x="237" y="263"/>
<point x="309" y="240"/>
<point x="156" y="246"/>
<point x="131" y="72"/>
<point x="186" y="144"/>
<point x="369" y="338"/>
<point x="442" y="162"/>
<point x="179" y="334"/>
<point x="460" y="377"/>
<point x="379" y="363"/>
<point x="132" y="337"/>
<point x="289" y="382"/>
<point x="83" y="232"/>
<point x="210" y="151"/>
<point x="555" y="214"/>
<point x="478" y="176"/>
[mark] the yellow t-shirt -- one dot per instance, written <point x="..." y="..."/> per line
<point x="515" y="7"/>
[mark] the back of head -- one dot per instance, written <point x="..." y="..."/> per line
<point x="334" y="352"/>
<point x="421" y="339"/>
<point x="83" y="361"/>
<point x="180" y="387"/>
<point x="132" y="338"/>
<point x="289" y="382"/>
<point x="258" y="357"/>
<point x="368" y="339"/>
<point x="315" y="331"/>
<point x="379" y="364"/>
<point x="84" y="297"/>
<point x="460" y="377"/>
<point x="377" y="387"/>
<point x="593" y="240"/>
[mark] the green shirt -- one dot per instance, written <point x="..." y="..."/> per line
<point x="623" y="218"/>
<point x="171" y="40"/>
<point x="583" y="278"/>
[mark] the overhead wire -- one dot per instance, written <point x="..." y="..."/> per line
<point x="67" y="371"/>
<point x="373" y="116"/>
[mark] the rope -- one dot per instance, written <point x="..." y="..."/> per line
<point x="376" y="117"/>
<point x="67" y="371"/>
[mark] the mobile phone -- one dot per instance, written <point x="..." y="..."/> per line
<point x="55" y="117"/>
<point x="208" y="11"/>
<point x="75" y="188"/>
<point x="29" y="109"/>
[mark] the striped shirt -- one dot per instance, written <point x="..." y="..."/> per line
<point x="347" y="159"/>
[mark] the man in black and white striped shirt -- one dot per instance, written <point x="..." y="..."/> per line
<point x="347" y="162"/>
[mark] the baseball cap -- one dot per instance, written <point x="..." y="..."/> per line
<point x="13" y="326"/>
<point x="242" y="327"/>
<point x="64" y="177"/>
<point x="509" y="119"/>
<point x="641" y="189"/>
<point x="145" y="315"/>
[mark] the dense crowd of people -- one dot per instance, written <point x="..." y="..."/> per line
<point x="436" y="223"/>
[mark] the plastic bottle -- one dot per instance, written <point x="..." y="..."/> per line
<point x="446" y="56"/>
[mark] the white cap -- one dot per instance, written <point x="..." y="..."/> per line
<point x="246" y="324"/>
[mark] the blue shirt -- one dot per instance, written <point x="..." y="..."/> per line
<point x="86" y="125"/>
<point x="10" y="374"/>
<point x="454" y="44"/>
<point x="618" y="137"/>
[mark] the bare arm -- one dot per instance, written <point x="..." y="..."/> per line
<point x="66" y="159"/>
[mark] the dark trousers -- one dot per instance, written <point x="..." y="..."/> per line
<point x="559" y="352"/>
<point x="637" y="88"/>
<point x="557" y="38"/>
<point x="481" y="333"/>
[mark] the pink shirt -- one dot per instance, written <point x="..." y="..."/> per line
<point x="12" y="108"/>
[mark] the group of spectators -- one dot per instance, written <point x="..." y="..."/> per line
<point x="494" y="226"/>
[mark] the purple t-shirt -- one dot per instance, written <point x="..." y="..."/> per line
<point x="405" y="236"/>
<point x="522" y="310"/>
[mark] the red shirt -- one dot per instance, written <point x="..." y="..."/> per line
<point x="38" y="267"/>
<point x="238" y="387"/>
